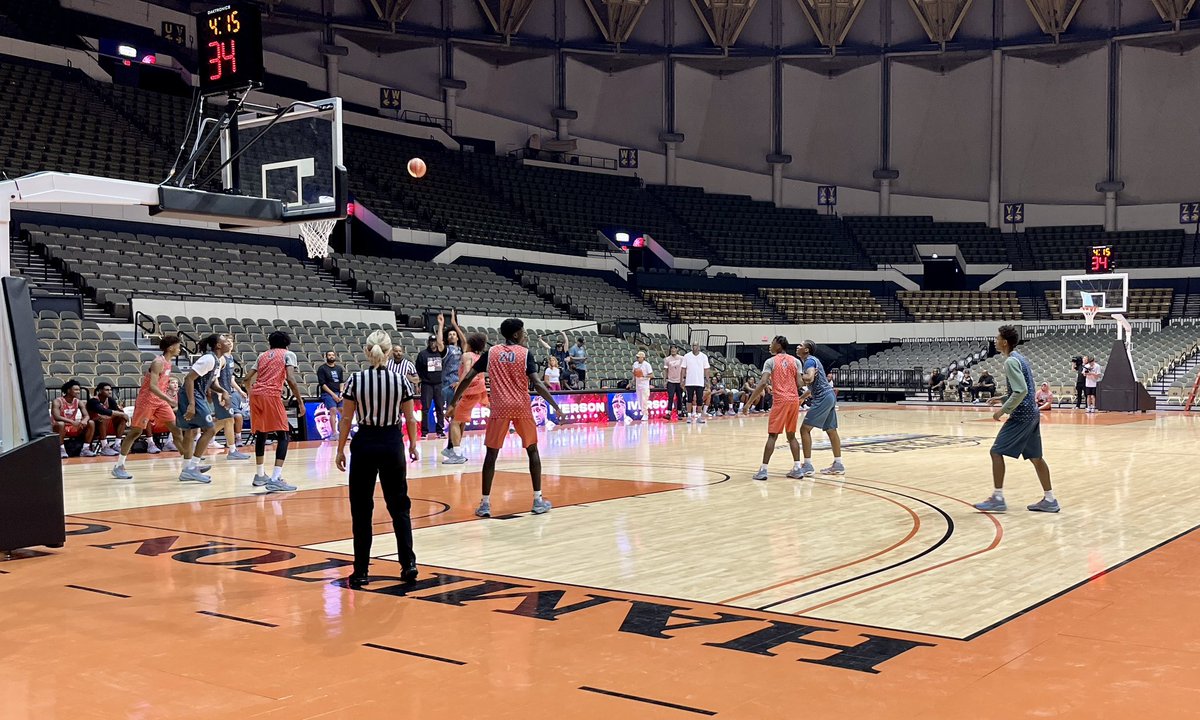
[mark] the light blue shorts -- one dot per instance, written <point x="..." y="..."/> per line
<point x="822" y="413"/>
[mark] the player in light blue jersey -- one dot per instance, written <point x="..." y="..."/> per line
<point x="822" y="412"/>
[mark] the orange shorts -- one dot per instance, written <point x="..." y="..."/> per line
<point x="72" y="430"/>
<point x="267" y="414"/>
<point x="467" y="403"/>
<point x="497" y="431"/>
<point x="784" y="417"/>
<point x="153" y="415"/>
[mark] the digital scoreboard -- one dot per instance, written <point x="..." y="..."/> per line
<point x="229" y="40"/>
<point x="1101" y="260"/>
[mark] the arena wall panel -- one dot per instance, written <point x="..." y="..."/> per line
<point x="831" y="125"/>
<point x="1159" y="107"/>
<point x="941" y="130"/>
<point x="1054" y="129"/>
<point x="726" y="118"/>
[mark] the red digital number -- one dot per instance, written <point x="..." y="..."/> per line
<point x="1099" y="262"/>
<point x="219" y="56"/>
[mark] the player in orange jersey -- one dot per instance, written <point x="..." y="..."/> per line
<point x="154" y="407"/>
<point x="268" y="416"/>
<point x="475" y="396"/>
<point x="511" y="369"/>
<point x="782" y="371"/>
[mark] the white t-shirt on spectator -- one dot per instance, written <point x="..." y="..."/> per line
<point x="1096" y="368"/>
<point x="643" y="379"/>
<point x="694" y="365"/>
<point x="552" y="374"/>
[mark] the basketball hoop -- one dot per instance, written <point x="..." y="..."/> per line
<point x="315" y="234"/>
<point x="1089" y="314"/>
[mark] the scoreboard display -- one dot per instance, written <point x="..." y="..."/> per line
<point x="229" y="40"/>
<point x="1101" y="260"/>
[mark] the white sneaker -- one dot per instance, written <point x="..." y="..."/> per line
<point x="152" y="448"/>
<point x="62" y="451"/>
<point x="87" y="451"/>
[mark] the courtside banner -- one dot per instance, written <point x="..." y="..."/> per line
<point x="582" y="408"/>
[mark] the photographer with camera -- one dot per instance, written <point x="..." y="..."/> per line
<point x="1080" y="380"/>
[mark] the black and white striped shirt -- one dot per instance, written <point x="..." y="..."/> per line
<point x="379" y="394"/>
<point x="403" y="367"/>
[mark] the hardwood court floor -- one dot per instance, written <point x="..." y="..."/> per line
<point x="664" y="584"/>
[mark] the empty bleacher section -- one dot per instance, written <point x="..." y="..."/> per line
<point x="745" y="232"/>
<point x="907" y="366"/>
<point x="1050" y="354"/>
<point x="589" y="297"/>
<point x="113" y="268"/>
<point x="1143" y="303"/>
<point x="892" y="240"/>
<point x="55" y="122"/>
<point x="411" y="286"/>
<point x="1067" y="247"/>
<point x="926" y="354"/>
<point x="805" y="305"/>
<point x="955" y="305"/>
<point x="446" y="199"/>
<point x="572" y="206"/>
<point x="74" y="348"/>
<point x="695" y="306"/>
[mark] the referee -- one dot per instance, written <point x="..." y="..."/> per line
<point x="381" y="399"/>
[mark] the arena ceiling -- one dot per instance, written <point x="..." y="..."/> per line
<point x="508" y="31"/>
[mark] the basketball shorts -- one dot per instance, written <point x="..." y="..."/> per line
<point x="466" y="404"/>
<point x="72" y="430"/>
<point x="694" y="394"/>
<point x="267" y="414"/>
<point x="784" y="417"/>
<point x="222" y="413"/>
<point x="1020" y="438"/>
<point x="822" y="413"/>
<point x="497" y="431"/>
<point x="1089" y="392"/>
<point x="202" y="419"/>
<point x="151" y="416"/>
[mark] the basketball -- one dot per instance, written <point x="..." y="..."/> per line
<point x="416" y="167"/>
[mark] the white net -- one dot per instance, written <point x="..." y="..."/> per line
<point x="315" y="235"/>
<point x="1089" y="314"/>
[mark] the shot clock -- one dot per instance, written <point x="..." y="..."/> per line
<point x="229" y="40"/>
<point x="1101" y="260"/>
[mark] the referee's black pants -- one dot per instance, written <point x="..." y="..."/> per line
<point x="379" y="451"/>
<point x="431" y="407"/>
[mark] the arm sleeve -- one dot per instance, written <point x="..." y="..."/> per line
<point x="530" y="364"/>
<point x="348" y="391"/>
<point x="289" y="359"/>
<point x="481" y="364"/>
<point x="407" y="393"/>
<point x="1017" y="389"/>
<point x="769" y="366"/>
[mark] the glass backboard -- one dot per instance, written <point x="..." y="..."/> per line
<point x="1108" y="293"/>
<point x="294" y="156"/>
